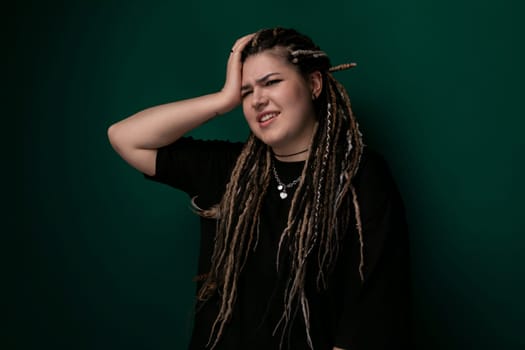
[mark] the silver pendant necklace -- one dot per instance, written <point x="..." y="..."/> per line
<point x="281" y="187"/>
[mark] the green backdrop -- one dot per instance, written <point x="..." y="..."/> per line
<point x="103" y="259"/>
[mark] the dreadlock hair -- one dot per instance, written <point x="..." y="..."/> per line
<point x="320" y="211"/>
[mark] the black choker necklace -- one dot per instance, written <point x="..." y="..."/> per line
<point x="291" y="155"/>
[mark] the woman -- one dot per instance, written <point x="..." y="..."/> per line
<point x="303" y="237"/>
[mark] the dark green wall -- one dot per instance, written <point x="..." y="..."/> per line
<point x="104" y="259"/>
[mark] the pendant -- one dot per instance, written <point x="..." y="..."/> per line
<point x="282" y="191"/>
<point x="282" y="187"/>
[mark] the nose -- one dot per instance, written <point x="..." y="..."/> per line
<point x="259" y="99"/>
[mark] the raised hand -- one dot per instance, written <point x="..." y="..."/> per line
<point x="232" y="85"/>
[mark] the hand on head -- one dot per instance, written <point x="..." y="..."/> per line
<point x="232" y="85"/>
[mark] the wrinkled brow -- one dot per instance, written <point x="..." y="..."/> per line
<point x="260" y="80"/>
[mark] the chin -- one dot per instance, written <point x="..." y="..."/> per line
<point x="271" y="142"/>
<point x="266" y="139"/>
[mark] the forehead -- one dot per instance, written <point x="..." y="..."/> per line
<point x="260" y="64"/>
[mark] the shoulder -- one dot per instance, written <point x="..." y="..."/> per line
<point x="192" y="165"/>
<point x="374" y="183"/>
<point x="373" y="170"/>
<point x="188" y="151"/>
<point x="192" y="145"/>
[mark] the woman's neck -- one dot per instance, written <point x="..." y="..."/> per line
<point x="294" y="156"/>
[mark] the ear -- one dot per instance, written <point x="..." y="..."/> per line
<point x="316" y="83"/>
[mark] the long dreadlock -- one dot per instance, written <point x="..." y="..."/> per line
<point x="319" y="211"/>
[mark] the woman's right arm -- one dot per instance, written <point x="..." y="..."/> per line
<point x="137" y="138"/>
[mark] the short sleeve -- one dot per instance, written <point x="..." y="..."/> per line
<point x="198" y="167"/>
<point x="376" y="316"/>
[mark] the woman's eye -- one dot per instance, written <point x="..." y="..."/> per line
<point x="245" y="93"/>
<point x="272" y="82"/>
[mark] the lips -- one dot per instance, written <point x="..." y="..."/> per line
<point x="266" y="116"/>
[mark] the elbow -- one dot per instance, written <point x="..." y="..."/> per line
<point x="111" y="133"/>
<point x="140" y="158"/>
<point x="113" y="137"/>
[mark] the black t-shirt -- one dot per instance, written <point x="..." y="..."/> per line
<point x="350" y="314"/>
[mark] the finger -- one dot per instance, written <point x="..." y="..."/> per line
<point x="241" y="43"/>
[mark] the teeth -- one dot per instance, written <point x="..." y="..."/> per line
<point x="268" y="116"/>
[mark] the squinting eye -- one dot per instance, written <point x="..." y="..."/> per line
<point x="272" y="82"/>
<point x="246" y="93"/>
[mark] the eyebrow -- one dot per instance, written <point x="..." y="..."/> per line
<point x="260" y="80"/>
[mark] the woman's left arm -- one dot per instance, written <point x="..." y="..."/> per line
<point x="375" y="312"/>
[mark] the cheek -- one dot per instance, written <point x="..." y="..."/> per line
<point x="249" y="116"/>
<point x="301" y="103"/>
<point x="246" y="110"/>
<point x="298" y="95"/>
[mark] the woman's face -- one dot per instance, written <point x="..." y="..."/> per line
<point x="277" y="102"/>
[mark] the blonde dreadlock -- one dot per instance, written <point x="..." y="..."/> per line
<point x="318" y="215"/>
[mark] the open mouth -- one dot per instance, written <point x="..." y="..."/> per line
<point x="268" y="116"/>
